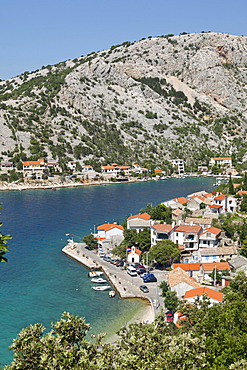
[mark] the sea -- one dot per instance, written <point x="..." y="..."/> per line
<point x="39" y="282"/>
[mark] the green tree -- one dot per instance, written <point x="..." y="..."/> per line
<point x="230" y="186"/>
<point x="171" y="301"/>
<point x="164" y="287"/>
<point x="143" y="239"/>
<point x="243" y="204"/>
<point x="243" y="249"/>
<point x="130" y="237"/>
<point x="165" y="252"/>
<point x="90" y="240"/>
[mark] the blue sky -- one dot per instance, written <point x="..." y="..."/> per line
<point x="34" y="33"/>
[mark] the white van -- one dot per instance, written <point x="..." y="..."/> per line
<point x="131" y="271"/>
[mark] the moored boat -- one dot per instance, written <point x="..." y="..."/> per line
<point x="102" y="287"/>
<point x="98" y="280"/>
<point x="112" y="293"/>
<point x="95" y="273"/>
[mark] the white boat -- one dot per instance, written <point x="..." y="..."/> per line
<point x="102" y="287"/>
<point x="95" y="273"/>
<point x="112" y="293"/>
<point x="98" y="280"/>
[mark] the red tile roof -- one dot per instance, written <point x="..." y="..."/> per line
<point x="163" y="227"/>
<point x="187" y="266"/>
<point x="209" y="266"/>
<point x="107" y="227"/>
<point x="144" y="216"/>
<point x="137" y="251"/>
<point x="216" y="206"/>
<point x="221" y="158"/>
<point x="181" y="200"/>
<point x="188" y="229"/>
<point x="242" y="192"/>
<point x="220" y="197"/>
<point x="213" y="230"/>
<point x="211" y="293"/>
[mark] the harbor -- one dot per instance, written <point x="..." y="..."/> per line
<point x="125" y="285"/>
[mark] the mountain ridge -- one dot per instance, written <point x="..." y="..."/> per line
<point x="148" y="101"/>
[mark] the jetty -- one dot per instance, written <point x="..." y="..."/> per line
<point x="125" y="285"/>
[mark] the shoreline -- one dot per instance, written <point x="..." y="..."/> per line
<point x="120" y="281"/>
<point x="4" y="186"/>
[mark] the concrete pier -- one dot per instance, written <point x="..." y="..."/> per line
<point x="125" y="285"/>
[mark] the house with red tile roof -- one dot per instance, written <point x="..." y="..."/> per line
<point x="213" y="295"/>
<point x="221" y="161"/>
<point x="177" y="215"/>
<point x="109" y="236"/>
<point x="36" y="168"/>
<point x="160" y="232"/>
<point x="187" y="235"/>
<point x="179" y="282"/>
<point x="227" y="202"/>
<point x="192" y="269"/>
<point x="139" y="221"/>
<point x="208" y="268"/>
<point x="134" y="255"/>
<point x="210" y="237"/>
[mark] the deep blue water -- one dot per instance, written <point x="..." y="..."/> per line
<point x="39" y="282"/>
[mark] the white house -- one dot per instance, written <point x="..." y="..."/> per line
<point x="221" y="161"/>
<point x="187" y="235"/>
<point x="134" y="255"/>
<point x="210" y="238"/>
<point x="179" y="164"/>
<point x="109" y="236"/>
<point x="160" y="232"/>
<point x="228" y="203"/>
<point x="139" y="221"/>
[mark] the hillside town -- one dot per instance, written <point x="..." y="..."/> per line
<point x="208" y="258"/>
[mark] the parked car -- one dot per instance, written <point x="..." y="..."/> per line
<point x="120" y="264"/>
<point x="144" y="289"/>
<point x="131" y="271"/>
<point x="141" y="270"/>
<point x="149" y="278"/>
<point x="136" y="265"/>
<point x="144" y="274"/>
<point x="107" y="258"/>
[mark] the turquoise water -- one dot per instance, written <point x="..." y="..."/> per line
<point x="39" y="282"/>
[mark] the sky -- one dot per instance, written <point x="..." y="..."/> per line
<point x="35" y="33"/>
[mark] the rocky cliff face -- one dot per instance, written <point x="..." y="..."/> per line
<point x="147" y="101"/>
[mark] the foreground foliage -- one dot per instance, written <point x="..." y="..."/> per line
<point x="3" y="245"/>
<point x="211" y="337"/>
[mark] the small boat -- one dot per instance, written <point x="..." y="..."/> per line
<point x="102" y="287"/>
<point x="112" y="293"/>
<point x="95" y="273"/>
<point x="98" y="280"/>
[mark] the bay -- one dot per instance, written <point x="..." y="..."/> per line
<point x="39" y="282"/>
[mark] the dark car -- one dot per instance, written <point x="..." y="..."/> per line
<point x="136" y="265"/>
<point x="149" y="278"/>
<point x="120" y="264"/>
<point x="144" y="289"/>
<point x="141" y="270"/>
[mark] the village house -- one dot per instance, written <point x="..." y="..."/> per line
<point x="217" y="254"/>
<point x="228" y="203"/>
<point x="6" y="166"/>
<point x="86" y="169"/>
<point x="238" y="263"/>
<point x="205" y="223"/>
<point x="179" y="165"/>
<point x="160" y="232"/>
<point x="139" y="221"/>
<point x="31" y="168"/>
<point x="191" y="269"/>
<point x="210" y="237"/>
<point x="180" y="282"/>
<point x="213" y="295"/>
<point x="177" y="215"/>
<point x="52" y="164"/>
<point x="109" y="236"/>
<point x="187" y="235"/>
<point x="221" y="161"/>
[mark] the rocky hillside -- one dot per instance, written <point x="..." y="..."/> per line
<point x="148" y="101"/>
